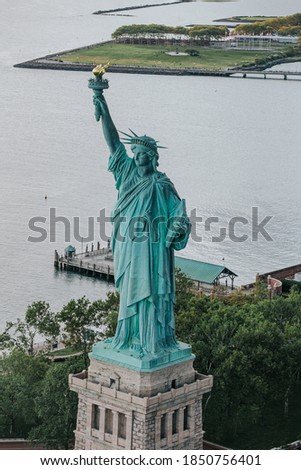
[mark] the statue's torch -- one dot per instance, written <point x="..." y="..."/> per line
<point x="98" y="84"/>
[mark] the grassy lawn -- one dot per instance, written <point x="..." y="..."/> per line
<point x="126" y="54"/>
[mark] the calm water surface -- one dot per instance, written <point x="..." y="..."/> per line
<point x="233" y="144"/>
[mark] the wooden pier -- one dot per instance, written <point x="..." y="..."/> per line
<point x="96" y="263"/>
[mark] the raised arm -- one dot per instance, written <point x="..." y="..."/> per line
<point x="109" y="129"/>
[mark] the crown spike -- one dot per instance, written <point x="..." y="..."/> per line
<point x="124" y="133"/>
<point x="133" y="132"/>
<point x="144" y="141"/>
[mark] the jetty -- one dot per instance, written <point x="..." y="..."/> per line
<point x="136" y="7"/>
<point x="94" y="262"/>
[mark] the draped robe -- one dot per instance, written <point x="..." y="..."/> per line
<point x="143" y="244"/>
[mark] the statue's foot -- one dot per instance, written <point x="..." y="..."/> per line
<point x="136" y="347"/>
<point x="141" y="354"/>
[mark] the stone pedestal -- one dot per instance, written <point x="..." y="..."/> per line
<point x="129" y="402"/>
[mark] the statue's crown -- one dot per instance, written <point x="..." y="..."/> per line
<point x="143" y="140"/>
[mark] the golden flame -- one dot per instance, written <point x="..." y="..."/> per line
<point x="100" y="69"/>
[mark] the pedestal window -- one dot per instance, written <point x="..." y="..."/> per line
<point x="163" y="427"/>
<point x="186" y="424"/>
<point x="175" y="421"/>
<point x="122" y="425"/>
<point x="108" y="421"/>
<point x="95" y="417"/>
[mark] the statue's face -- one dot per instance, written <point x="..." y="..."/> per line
<point x="141" y="157"/>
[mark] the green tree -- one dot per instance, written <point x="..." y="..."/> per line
<point x="39" y="322"/>
<point x="39" y="316"/>
<point x="207" y="33"/>
<point x="110" y="310"/>
<point x="56" y="407"/>
<point x="270" y="26"/>
<point x="289" y="31"/>
<point x="20" y="375"/>
<point x="184" y="290"/>
<point x="82" y="324"/>
<point x="252" y="348"/>
<point x="260" y="291"/>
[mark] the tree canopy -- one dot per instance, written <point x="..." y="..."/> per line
<point x="253" y="351"/>
<point x="251" y="344"/>
<point x="285" y="26"/>
<point x="20" y="376"/>
<point x="143" y="31"/>
<point x="56" y="407"/>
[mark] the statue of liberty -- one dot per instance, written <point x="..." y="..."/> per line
<point x="149" y="223"/>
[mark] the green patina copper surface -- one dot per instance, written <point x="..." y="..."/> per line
<point x="133" y="360"/>
<point x="200" y="271"/>
<point x="149" y="223"/>
<point x="70" y="249"/>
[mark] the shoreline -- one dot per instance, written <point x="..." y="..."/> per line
<point x="244" y="19"/>
<point x="47" y="63"/>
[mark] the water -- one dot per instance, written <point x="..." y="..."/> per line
<point x="233" y="144"/>
<point x="287" y="67"/>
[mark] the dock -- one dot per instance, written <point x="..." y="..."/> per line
<point x="95" y="262"/>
